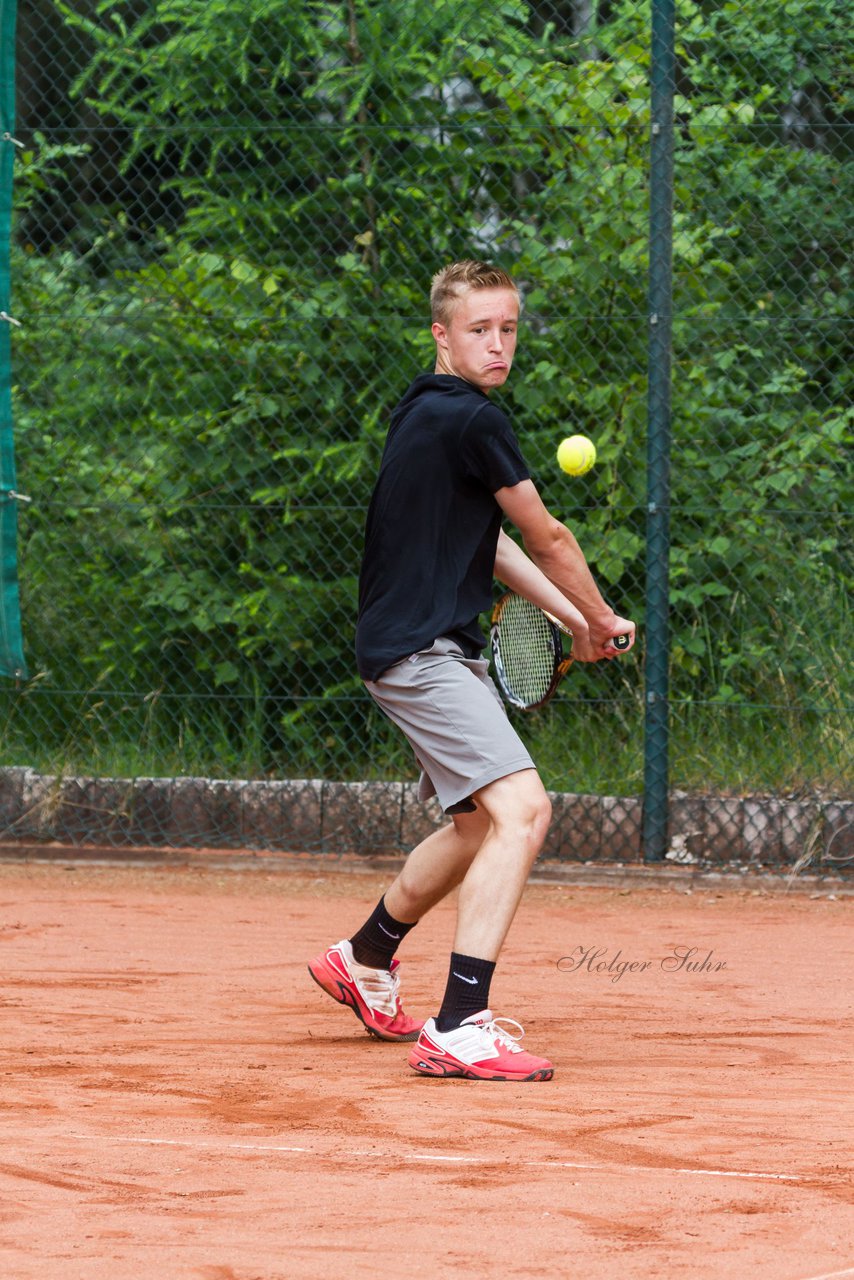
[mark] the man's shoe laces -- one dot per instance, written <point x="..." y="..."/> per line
<point x="505" y="1036"/>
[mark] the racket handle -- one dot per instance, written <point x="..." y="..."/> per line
<point x="620" y="642"/>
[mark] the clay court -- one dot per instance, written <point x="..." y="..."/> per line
<point x="180" y="1100"/>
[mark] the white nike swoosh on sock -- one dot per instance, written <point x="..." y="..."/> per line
<point x="387" y="934"/>
<point x="464" y="978"/>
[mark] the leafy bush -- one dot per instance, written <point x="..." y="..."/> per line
<point x="201" y="409"/>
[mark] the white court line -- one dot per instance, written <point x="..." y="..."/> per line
<point x="835" y="1275"/>
<point x="698" y="1173"/>
<point x="448" y="1159"/>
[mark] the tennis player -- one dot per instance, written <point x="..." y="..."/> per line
<point x="451" y="472"/>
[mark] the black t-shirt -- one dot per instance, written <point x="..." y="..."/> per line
<point x="433" y="522"/>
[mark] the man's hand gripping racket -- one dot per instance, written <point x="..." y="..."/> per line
<point x="527" y="651"/>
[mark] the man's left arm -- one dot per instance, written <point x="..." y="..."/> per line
<point x="520" y="574"/>
<point x="555" y="551"/>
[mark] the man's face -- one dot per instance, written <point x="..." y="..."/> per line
<point x="479" y="341"/>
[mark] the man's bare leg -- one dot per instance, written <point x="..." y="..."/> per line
<point x="519" y="812"/>
<point x="464" y="1039"/>
<point x="490" y="852"/>
<point x="436" y="866"/>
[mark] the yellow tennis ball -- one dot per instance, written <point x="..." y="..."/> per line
<point x="576" y="455"/>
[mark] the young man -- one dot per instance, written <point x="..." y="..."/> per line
<point x="451" y="472"/>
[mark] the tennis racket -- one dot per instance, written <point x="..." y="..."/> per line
<point x="527" y="651"/>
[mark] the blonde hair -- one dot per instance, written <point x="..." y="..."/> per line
<point x="449" y="284"/>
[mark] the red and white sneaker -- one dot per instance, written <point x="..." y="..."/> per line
<point x="372" y="994"/>
<point x="479" y="1049"/>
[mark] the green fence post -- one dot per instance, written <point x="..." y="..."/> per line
<point x="656" y="748"/>
<point x="11" y="646"/>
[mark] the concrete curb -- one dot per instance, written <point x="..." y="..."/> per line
<point x="386" y="818"/>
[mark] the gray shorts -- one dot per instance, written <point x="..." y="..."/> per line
<point x="454" y="719"/>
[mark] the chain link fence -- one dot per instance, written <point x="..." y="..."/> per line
<point x="227" y="217"/>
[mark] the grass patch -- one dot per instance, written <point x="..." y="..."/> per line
<point x="591" y="746"/>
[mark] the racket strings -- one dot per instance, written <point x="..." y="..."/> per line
<point x="525" y="652"/>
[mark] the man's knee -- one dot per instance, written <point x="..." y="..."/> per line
<point x="472" y="828"/>
<point x="519" y="800"/>
<point x="541" y="815"/>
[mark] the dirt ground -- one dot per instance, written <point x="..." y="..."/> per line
<point x="180" y="1100"/>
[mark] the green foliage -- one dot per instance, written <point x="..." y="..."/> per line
<point x="204" y="424"/>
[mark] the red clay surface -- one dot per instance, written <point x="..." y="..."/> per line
<point x="180" y="1100"/>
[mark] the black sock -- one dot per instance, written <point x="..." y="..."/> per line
<point x="379" y="937"/>
<point x="467" y="991"/>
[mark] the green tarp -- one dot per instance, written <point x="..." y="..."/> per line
<point x="11" y="645"/>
